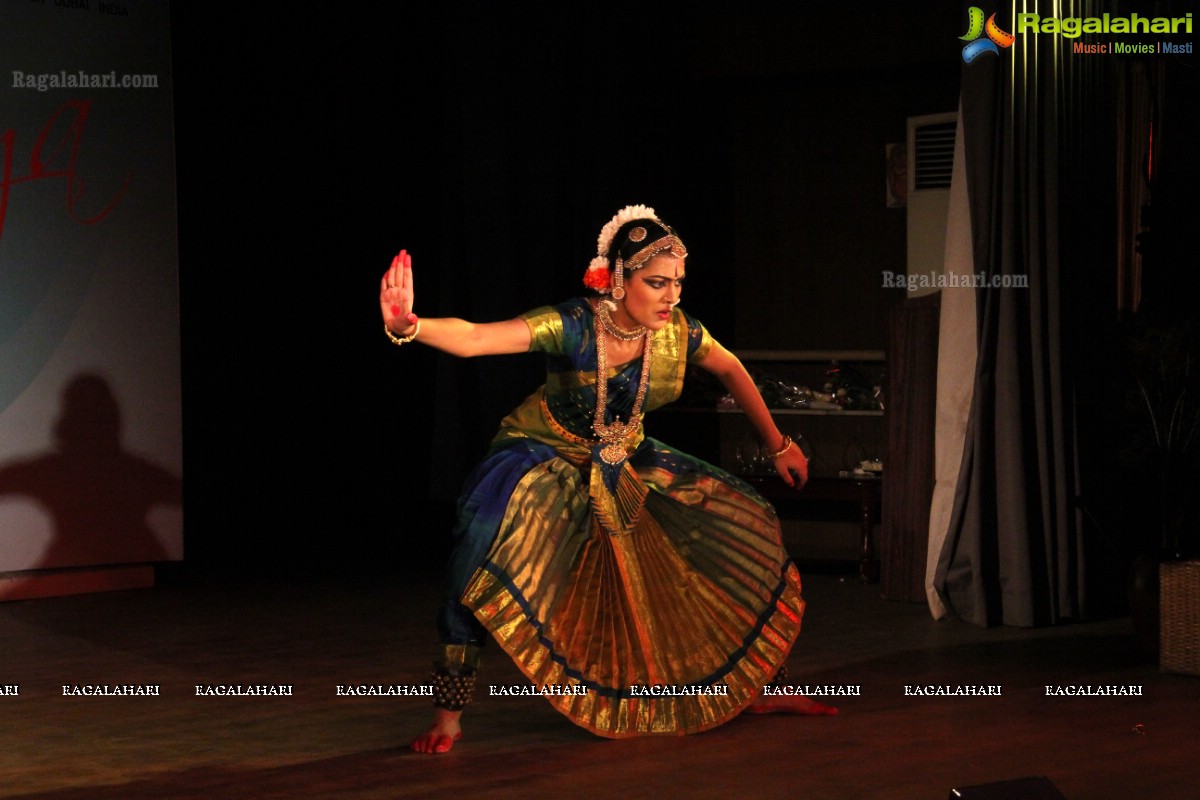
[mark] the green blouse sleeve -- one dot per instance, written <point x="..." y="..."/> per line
<point x="545" y="330"/>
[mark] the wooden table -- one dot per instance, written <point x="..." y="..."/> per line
<point x="862" y="493"/>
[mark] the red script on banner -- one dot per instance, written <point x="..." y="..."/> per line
<point x="56" y="159"/>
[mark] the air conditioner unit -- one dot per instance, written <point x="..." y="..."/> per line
<point x="930" y="167"/>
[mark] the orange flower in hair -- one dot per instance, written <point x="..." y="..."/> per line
<point x="598" y="276"/>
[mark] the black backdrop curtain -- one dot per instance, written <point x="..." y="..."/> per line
<point x="1033" y="118"/>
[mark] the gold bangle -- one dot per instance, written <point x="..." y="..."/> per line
<point x="399" y="340"/>
<point x="787" y="445"/>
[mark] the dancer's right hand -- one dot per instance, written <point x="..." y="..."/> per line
<point x="396" y="295"/>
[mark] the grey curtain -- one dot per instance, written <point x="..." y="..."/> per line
<point x="1013" y="553"/>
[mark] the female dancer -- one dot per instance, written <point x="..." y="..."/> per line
<point x="643" y="591"/>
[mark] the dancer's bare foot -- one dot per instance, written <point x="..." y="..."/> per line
<point x="796" y="704"/>
<point x="442" y="735"/>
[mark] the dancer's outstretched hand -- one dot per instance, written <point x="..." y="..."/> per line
<point x="396" y="295"/>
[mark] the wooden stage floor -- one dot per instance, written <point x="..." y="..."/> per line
<point x="315" y="633"/>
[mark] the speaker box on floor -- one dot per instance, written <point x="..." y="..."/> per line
<point x="1036" y="788"/>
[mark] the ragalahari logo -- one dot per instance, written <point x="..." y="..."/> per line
<point x="996" y="37"/>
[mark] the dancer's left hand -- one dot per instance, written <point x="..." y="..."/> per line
<point x="792" y="466"/>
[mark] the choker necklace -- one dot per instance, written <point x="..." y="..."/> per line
<point x="613" y="435"/>
<point x="614" y="330"/>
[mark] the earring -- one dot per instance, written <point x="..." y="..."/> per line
<point x="618" y="290"/>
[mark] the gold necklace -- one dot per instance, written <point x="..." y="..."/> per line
<point x="613" y="435"/>
<point x="614" y="330"/>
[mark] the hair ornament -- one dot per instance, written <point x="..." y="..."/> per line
<point x="598" y="275"/>
<point x="602" y="276"/>
<point x="626" y="214"/>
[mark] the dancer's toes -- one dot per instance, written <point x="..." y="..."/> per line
<point x="798" y="705"/>
<point x="444" y="743"/>
<point x="816" y="709"/>
<point x="434" y="742"/>
<point x="442" y="735"/>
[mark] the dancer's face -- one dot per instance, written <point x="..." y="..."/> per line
<point x="651" y="292"/>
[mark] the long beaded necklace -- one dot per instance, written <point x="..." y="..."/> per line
<point x="613" y="435"/>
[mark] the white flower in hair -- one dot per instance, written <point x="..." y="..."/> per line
<point x="626" y="214"/>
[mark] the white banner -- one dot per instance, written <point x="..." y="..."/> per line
<point x="90" y="434"/>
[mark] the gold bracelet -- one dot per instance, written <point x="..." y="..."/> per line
<point x="787" y="445"/>
<point x="399" y="340"/>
